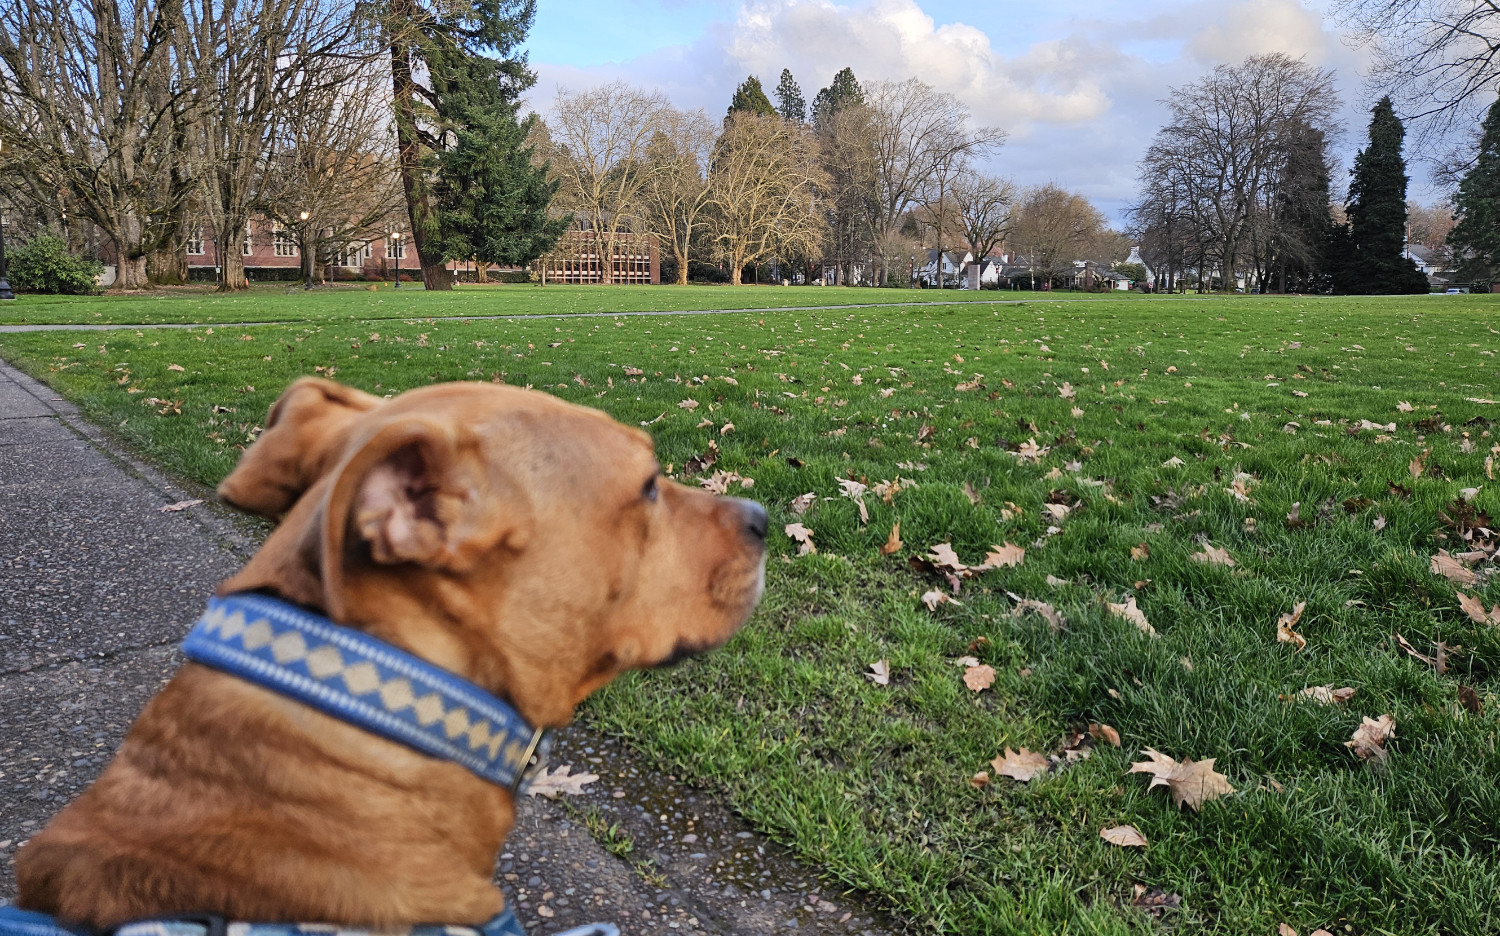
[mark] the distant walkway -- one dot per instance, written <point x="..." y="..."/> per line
<point x="14" y="329"/>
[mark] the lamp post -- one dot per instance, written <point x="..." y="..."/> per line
<point x="306" y="256"/>
<point x="5" y="291"/>
<point x="396" y="236"/>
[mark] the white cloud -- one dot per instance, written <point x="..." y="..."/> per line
<point x="1256" y="27"/>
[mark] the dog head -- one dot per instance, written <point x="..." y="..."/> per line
<point x="527" y="544"/>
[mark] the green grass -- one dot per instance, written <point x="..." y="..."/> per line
<point x="288" y="302"/>
<point x="870" y="783"/>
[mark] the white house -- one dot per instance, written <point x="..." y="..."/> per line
<point x="953" y="265"/>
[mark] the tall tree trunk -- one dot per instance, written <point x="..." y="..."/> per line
<point x="130" y="254"/>
<point x="419" y="208"/>
<point x="168" y="263"/>
<point x="229" y="239"/>
<point x="682" y="265"/>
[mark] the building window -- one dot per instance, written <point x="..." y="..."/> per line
<point x="286" y="245"/>
<point x="356" y="255"/>
<point x="195" y="245"/>
<point x="248" y="247"/>
<point x="395" y="249"/>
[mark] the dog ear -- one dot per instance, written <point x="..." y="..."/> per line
<point x="305" y="433"/>
<point x="418" y="493"/>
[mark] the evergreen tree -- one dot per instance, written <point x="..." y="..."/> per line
<point x="843" y="91"/>
<point x="1477" y="205"/>
<point x="789" y="102"/>
<point x="456" y="75"/>
<point x="1300" y="222"/>
<point x="1377" y="215"/>
<point x="751" y="98"/>
<point x="492" y="201"/>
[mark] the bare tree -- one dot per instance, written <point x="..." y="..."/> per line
<point x="255" y="65"/>
<point x="1227" y="147"/>
<point x="982" y="207"/>
<point x="1438" y="59"/>
<point x="919" y="135"/>
<point x="89" y="107"/>
<point x="1055" y="227"/>
<point x="846" y="142"/>
<point x="764" y="179"/>
<point x="1429" y="224"/>
<point x="675" y="191"/>
<point x="334" y="180"/>
<point x="600" y="138"/>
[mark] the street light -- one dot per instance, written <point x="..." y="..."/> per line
<point x="396" y="236"/>
<point x="306" y="257"/>
<point x="5" y="291"/>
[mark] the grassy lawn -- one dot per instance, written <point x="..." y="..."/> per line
<point x="287" y="302"/>
<point x="1261" y="400"/>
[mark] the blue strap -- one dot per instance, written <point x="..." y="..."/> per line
<point x="367" y="682"/>
<point x="17" y="922"/>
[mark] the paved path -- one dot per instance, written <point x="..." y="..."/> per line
<point x="15" y="329"/>
<point x="97" y="585"/>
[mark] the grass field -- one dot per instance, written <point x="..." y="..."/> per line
<point x="1114" y="441"/>
<point x="287" y="302"/>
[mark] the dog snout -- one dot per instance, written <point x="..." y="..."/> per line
<point x="753" y="517"/>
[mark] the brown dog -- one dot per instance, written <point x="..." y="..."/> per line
<point x="523" y="543"/>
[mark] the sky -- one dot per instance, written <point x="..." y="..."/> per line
<point x="1077" y="84"/>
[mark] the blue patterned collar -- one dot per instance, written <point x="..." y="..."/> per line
<point x="17" y="922"/>
<point x="367" y="682"/>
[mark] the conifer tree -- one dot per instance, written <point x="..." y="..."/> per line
<point x="751" y="98"/>
<point x="456" y="75"/>
<point x="1377" y="215"/>
<point x="840" y="93"/>
<point x="1477" y="204"/>
<point x="789" y="102"/>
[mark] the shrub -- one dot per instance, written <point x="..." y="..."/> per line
<point x="43" y="265"/>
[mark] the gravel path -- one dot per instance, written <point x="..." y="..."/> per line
<point x="97" y="585"/>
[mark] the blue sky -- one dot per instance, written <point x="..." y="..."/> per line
<point x="1075" y="82"/>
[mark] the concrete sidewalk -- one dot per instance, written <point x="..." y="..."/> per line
<point x="97" y="586"/>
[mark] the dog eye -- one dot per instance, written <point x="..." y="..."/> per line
<point x="648" y="490"/>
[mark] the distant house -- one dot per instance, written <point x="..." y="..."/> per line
<point x="953" y="263"/>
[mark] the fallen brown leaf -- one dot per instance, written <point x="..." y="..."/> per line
<point x="803" y="538"/>
<point x="892" y="542"/>
<point x="1008" y="555"/>
<point x="560" y="782"/>
<point x="880" y="673"/>
<point x="1134" y="615"/>
<point x="1412" y="652"/>
<point x="945" y="558"/>
<point x="802" y="502"/>
<point x="1284" y="632"/>
<point x="934" y="598"/>
<point x="1105" y="732"/>
<point x="1022" y="765"/>
<point x="979" y="678"/>
<point x="1470" y="700"/>
<point x="1140" y="553"/>
<point x="972" y="494"/>
<point x="1451" y="568"/>
<point x="980" y="780"/>
<point x="181" y="505"/>
<point x="688" y="405"/>
<point x="1326" y="694"/>
<point x="1124" y="836"/>
<point x="1214" y="555"/>
<point x="1191" y="783"/>
<point x="1474" y="608"/>
<point x="1417" y="465"/>
<point x="1370" y="737"/>
<point x="1042" y="608"/>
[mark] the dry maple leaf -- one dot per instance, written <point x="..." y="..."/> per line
<point x="934" y="598"/>
<point x="1022" y="765"/>
<point x="980" y="780"/>
<point x="1474" y="608"/>
<point x="803" y="537"/>
<point x="801" y="502"/>
<point x="181" y="505"/>
<point x="1370" y="737"/>
<point x="1008" y="555"/>
<point x="1417" y="467"/>
<point x="1105" y="732"/>
<point x="1214" y="555"/>
<point x="1191" y="783"/>
<point x="1059" y="512"/>
<point x="1047" y="612"/>
<point x="175" y="367"/>
<point x="979" y="678"/>
<point x="880" y="673"/>
<point x="1066" y="391"/>
<point x="561" y="781"/>
<point x="1404" y="407"/>
<point x="688" y="405"/>
<point x="1124" y="836"/>
<point x="1134" y="615"/>
<point x="1284" y="632"/>
<point x="944" y="557"/>
<point x="892" y="542"/>
<point x="1450" y="568"/>
<point x="1076" y="412"/>
<point x="1140" y="553"/>
<point x="1326" y="694"/>
<point x="1173" y="462"/>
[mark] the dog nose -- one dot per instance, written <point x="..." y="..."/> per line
<point x="755" y="518"/>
